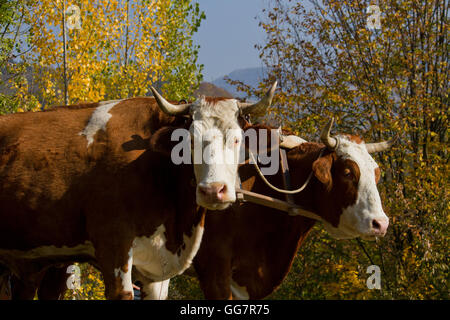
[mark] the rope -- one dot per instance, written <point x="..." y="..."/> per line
<point x="365" y="251"/>
<point x="278" y="189"/>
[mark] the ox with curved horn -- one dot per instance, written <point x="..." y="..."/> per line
<point x="216" y="176"/>
<point x="259" y="108"/>
<point x="381" y="146"/>
<point x="332" y="143"/>
<point x="167" y="107"/>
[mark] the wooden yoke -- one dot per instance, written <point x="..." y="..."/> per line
<point x="287" y="206"/>
<point x="292" y="209"/>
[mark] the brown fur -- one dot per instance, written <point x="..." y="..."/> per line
<point x="5" y="288"/>
<point x="355" y="139"/>
<point x="54" y="190"/>
<point x="377" y="175"/>
<point x="256" y="245"/>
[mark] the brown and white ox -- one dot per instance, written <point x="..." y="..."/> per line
<point x="248" y="251"/>
<point x="96" y="183"/>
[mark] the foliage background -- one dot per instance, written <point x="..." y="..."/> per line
<point x="121" y="49"/>
<point x="378" y="84"/>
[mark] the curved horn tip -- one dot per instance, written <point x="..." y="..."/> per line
<point x="381" y="146"/>
<point x="157" y="96"/>
<point x="167" y="107"/>
<point x="273" y="88"/>
<point x="327" y="129"/>
<point x="154" y="91"/>
<point x="331" y="122"/>
<point x="259" y="108"/>
<point x="271" y="92"/>
<point x="329" y="141"/>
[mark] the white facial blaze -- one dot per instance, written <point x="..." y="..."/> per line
<point x="217" y="138"/>
<point x="356" y="220"/>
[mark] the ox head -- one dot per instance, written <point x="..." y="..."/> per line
<point x="350" y="175"/>
<point x="216" y="137"/>
<point x="346" y="195"/>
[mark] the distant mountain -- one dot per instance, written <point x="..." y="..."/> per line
<point x="250" y="76"/>
<point x="210" y="90"/>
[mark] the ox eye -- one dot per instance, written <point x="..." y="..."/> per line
<point x="347" y="173"/>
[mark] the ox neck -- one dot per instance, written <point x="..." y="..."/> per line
<point x="300" y="164"/>
<point x="286" y="232"/>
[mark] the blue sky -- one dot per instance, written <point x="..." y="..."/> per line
<point x="228" y="35"/>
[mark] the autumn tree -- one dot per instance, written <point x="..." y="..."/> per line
<point x="15" y="86"/>
<point x="331" y="59"/>
<point x="115" y="49"/>
<point x="181" y="54"/>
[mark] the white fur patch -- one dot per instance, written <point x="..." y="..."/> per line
<point x="239" y="293"/>
<point x="215" y="129"/>
<point x="98" y="120"/>
<point x="125" y="277"/>
<point x="156" y="290"/>
<point x="152" y="259"/>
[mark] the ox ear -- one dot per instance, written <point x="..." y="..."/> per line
<point x="322" y="170"/>
<point x="161" y="142"/>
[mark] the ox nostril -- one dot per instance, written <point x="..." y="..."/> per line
<point x="380" y="226"/>
<point x="376" y="225"/>
<point x="218" y="190"/>
<point x="213" y="191"/>
<point x="222" y="189"/>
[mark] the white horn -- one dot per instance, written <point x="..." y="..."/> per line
<point x="259" y="108"/>
<point x="380" y="146"/>
<point x="329" y="141"/>
<point x="291" y="141"/>
<point x="169" y="108"/>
